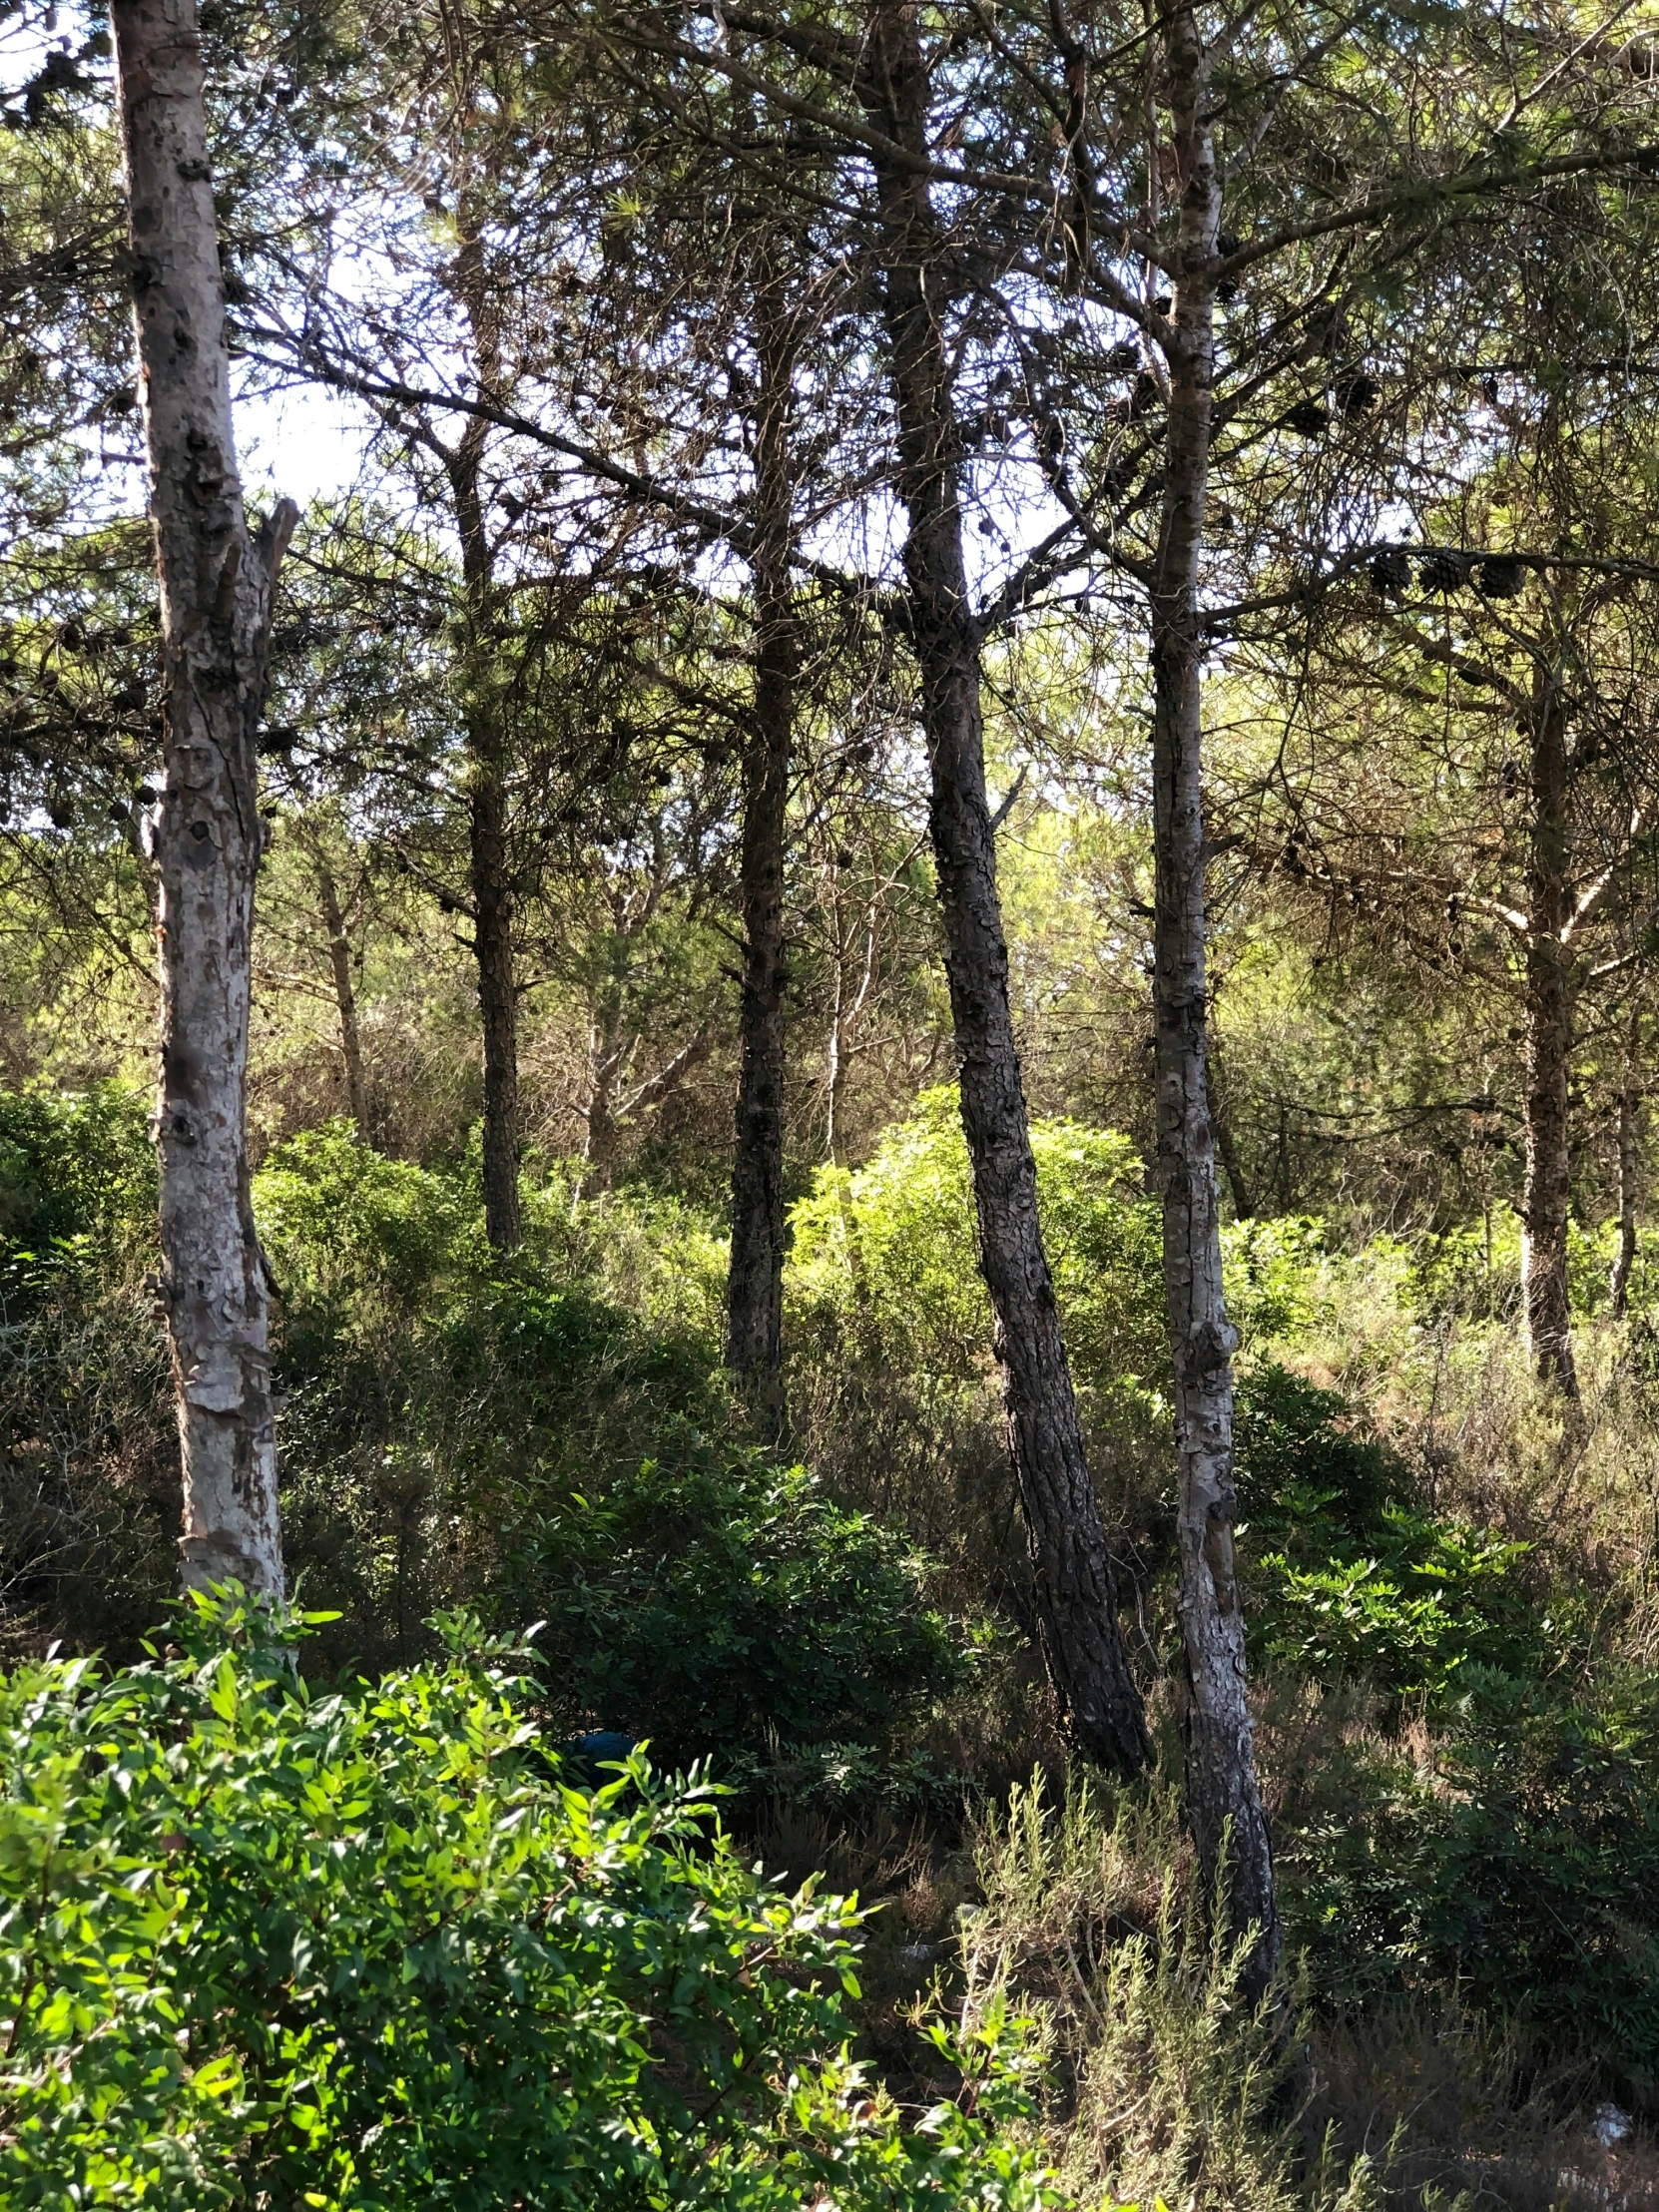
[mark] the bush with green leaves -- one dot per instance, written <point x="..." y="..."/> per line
<point x="89" y="1480"/>
<point x="361" y="1949"/>
<point x="729" y="1608"/>
<point x="535" y="1447"/>
<point x="77" y="1181"/>
<point x="889" y="1250"/>
<point x="1513" y="1856"/>
<point x="1352" y="1577"/>
<point x="894" y="1388"/>
<point x="434" y="1397"/>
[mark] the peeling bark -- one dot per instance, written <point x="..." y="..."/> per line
<point x="1223" y="1793"/>
<point x="1549" y="1012"/>
<point x="755" y="1281"/>
<point x="204" y="834"/>
<point x="1075" y="1587"/>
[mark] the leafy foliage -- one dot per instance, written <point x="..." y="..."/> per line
<point x="1356" y="1578"/>
<point x="1518" y="1856"/>
<point x="88" y="1439"/>
<point x="360" y="1950"/>
<point x="724" y="1608"/>
<point x="572" y="1463"/>
<point x="77" y="1172"/>
<point x="890" y="1248"/>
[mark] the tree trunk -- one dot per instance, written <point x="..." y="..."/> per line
<point x="1224" y="1798"/>
<point x="1548" y="1051"/>
<point x="345" y="996"/>
<point x="1220" y="1121"/>
<point x="492" y="921"/>
<point x="754" y="1283"/>
<point x="607" y="1053"/>
<point x="216" y="595"/>
<point x="843" y="1014"/>
<point x="1075" y="1587"/>
<point x="491" y="880"/>
<point x="1629" y="1108"/>
<point x="487" y="811"/>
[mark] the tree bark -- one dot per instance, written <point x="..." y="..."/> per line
<point x="492" y="921"/>
<point x="1075" y="1585"/>
<point x="1549" y="1012"/>
<point x="1630" y="1099"/>
<point x="755" y="1282"/>
<point x="1224" y="1797"/>
<point x="608" y="1056"/>
<point x="487" y="810"/>
<point x="345" y="995"/>
<point x="206" y="833"/>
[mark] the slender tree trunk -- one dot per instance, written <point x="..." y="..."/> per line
<point x="835" y="1056"/>
<point x="1224" y="1797"/>
<point x="1630" y="1098"/>
<point x="608" y="1052"/>
<point x="754" y="1284"/>
<point x="215" y="597"/>
<point x="1076" y="1596"/>
<point x="345" y="995"/>
<point x="1544" y="1205"/>
<point x="492" y="921"/>
<point x="842" y="1018"/>
<point x="488" y="810"/>
<point x="1220" y="1121"/>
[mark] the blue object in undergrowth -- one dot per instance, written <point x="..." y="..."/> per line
<point x="584" y="1755"/>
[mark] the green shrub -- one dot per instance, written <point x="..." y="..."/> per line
<point x="394" y="1303"/>
<point x="728" y="1608"/>
<point x="76" y="1177"/>
<point x="892" y="1249"/>
<point x="263" y="1948"/>
<point x="89" y="1454"/>
<point x="434" y="1395"/>
<point x="1311" y="1478"/>
<point x="1270" y="1274"/>
<point x="1350" y="1576"/>
<point x="341" y="1223"/>
<point x="1515" y="1855"/>
<point x="454" y="1426"/>
<point x="1175" y="2080"/>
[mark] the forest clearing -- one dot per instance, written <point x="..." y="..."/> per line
<point x="829" y="1030"/>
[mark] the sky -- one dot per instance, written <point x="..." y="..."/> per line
<point x="304" y="444"/>
<point x="307" y="445"/>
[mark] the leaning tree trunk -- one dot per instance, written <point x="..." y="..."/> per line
<point x="1223" y="1793"/>
<point x="754" y="1283"/>
<point x="1550" y="994"/>
<point x="216" y="596"/>
<point x="1075" y="1594"/>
